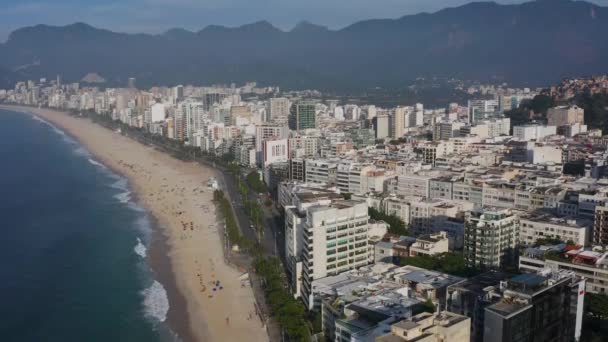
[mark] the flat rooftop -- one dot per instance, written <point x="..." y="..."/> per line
<point x="478" y="283"/>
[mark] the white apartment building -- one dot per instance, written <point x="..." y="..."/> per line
<point x="265" y="132"/>
<point x="430" y="151"/>
<point x="431" y="244"/>
<point x="488" y="128"/>
<point x="533" y="132"/>
<point x="490" y="238"/>
<point x="275" y="151"/>
<point x="382" y="126"/>
<point x="321" y="171"/>
<point x="426" y="215"/>
<point x="482" y="109"/>
<point x="297" y="199"/>
<point x="541" y="154"/>
<point x="447" y="130"/>
<point x="335" y="239"/>
<point x="358" y="178"/>
<point x="413" y="185"/>
<point x="158" y="113"/>
<point x="535" y="226"/>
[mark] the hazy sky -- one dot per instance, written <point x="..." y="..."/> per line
<point x="154" y="16"/>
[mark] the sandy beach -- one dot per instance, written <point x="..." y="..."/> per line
<point x="176" y="194"/>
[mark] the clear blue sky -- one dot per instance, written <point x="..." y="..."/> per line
<point x="154" y="16"/>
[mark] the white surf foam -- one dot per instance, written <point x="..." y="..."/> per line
<point x="96" y="163"/>
<point x="123" y="197"/>
<point x="121" y="183"/>
<point x="156" y="303"/>
<point x="140" y="249"/>
<point x="55" y="129"/>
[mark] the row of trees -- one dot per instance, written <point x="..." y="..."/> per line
<point x="252" y="208"/>
<point x="396" y="224"/>
<point x="289" y="312"/>
<point x="254" y="181"/>
<point x="232" y="229"/>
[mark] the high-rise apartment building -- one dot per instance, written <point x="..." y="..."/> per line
<point x="178" y="93"/>
<point x="334" y="240"/>
<point x="490" y="237"/>
<point x="482" y="109"/>
<point x="382" y="126"/>
<point x="278" y="108"/>
<point x="397" y="123"/>
<point x="302" y="116"/>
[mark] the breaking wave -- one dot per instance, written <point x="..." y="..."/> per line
<point x="156" y="302"/>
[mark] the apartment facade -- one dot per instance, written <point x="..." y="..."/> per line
<point x="490" y="237"/>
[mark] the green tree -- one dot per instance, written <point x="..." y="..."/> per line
<point x="450" y="263"/>
<point x="541" y="103"/>
<point x="596" y="110"/>
<point x="254" y="181"/>
<point x="538" y="105"/>
<point x="597" y="305"/>
<point x="396" y="224"/>
<point x="288" y="312"/>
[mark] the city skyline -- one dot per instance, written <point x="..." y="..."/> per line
<point x="158" y="16"/>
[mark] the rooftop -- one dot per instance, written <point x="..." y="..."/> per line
<point x="479" y="284"/>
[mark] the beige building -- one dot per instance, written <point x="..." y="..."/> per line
<point x="430" y="244"/>
<point x="565" y="115"/>
<point x="397" y="123"/>
<point x="430" y="327"/>
<point x="239" y="112"/>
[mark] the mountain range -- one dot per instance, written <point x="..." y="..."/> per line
<point x="533" y="43"/>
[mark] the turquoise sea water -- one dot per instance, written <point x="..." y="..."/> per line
<point x="72" y="244"/>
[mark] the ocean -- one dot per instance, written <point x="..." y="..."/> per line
<point x="73" y="244"/>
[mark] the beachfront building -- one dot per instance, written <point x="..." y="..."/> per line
<point x="334" y="239"/>
<point x="296" y="198"/>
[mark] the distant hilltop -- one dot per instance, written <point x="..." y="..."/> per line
<point x="534" y="43"/>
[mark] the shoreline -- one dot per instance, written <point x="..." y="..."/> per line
<point x="176" y="254"/>
<point x="157" y="257"/>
